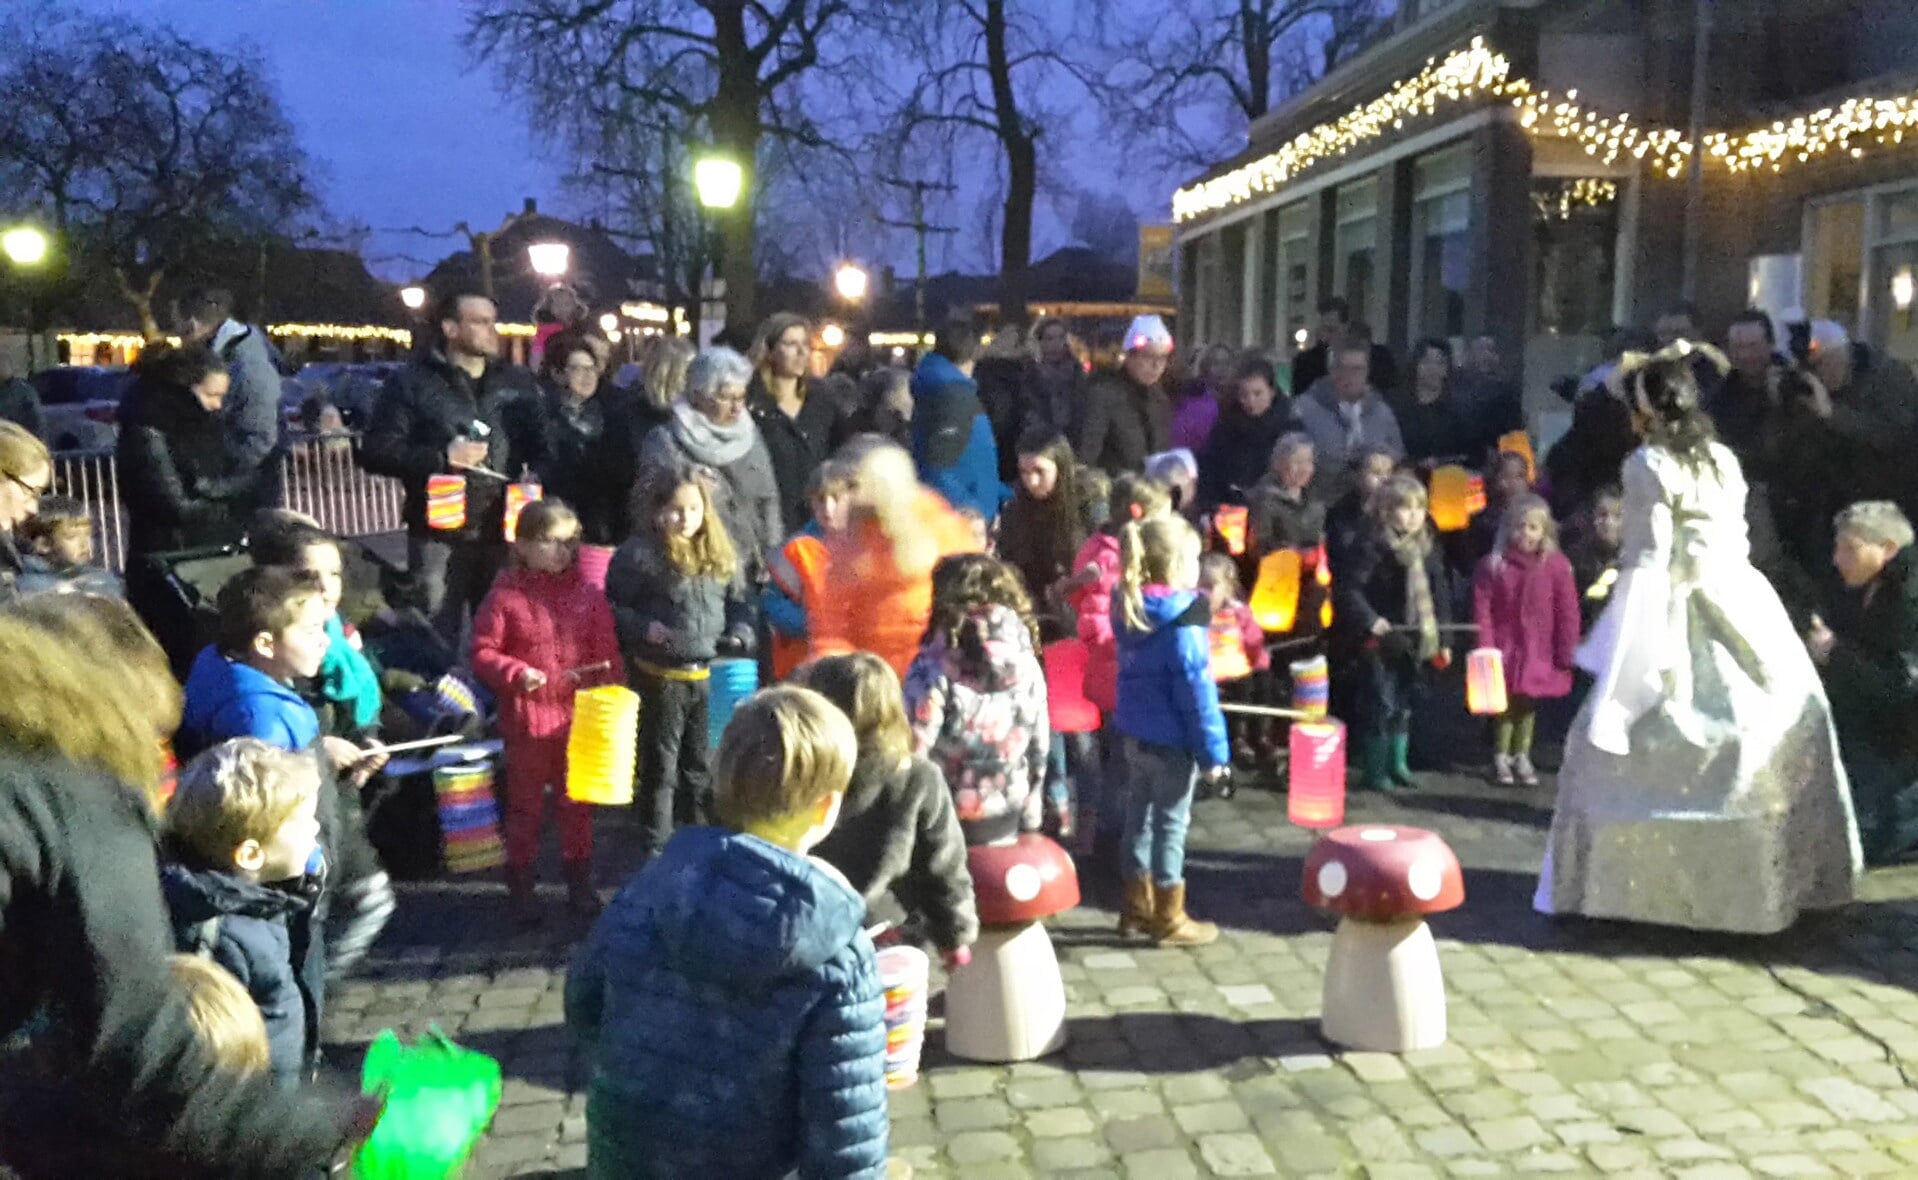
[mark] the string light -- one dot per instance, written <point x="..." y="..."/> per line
<point x="900" y="340"/>
<point x="79" y="342"/>
<point x="399" y="336"/>
<point x="1558" y="200"/>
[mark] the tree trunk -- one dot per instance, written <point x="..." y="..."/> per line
<point x="1022" y="172"/>
<point x="142" y="301"/>
<point x="734" y="119"/>
<point x="1255" y="35"/>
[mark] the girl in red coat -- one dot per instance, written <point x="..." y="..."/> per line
<point x="1526" y="605"/>
<point x="542" y="633"/>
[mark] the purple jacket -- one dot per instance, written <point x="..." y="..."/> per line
<point x="1526" y="606"/>
<point x="1193" y="416"/>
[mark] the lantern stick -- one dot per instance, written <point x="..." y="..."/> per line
<point x="583" y="669"/>
<point x="422" y="744"/>
<point x="1298" y="641"/>
<point x="1271" y="711"/>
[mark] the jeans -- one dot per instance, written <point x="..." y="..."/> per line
<point x="675" y="760"/>
<point x="454" y="576"/>
<point x="1389" y="687"/>
<point x="1159" y="784"/>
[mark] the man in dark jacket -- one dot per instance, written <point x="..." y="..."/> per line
<point x="952" y="443"/>
<point x="1127" y="414"/>
<point x="455" y="411"/>
<point x="252" y="411"/>
<point x="1239" y="452"/>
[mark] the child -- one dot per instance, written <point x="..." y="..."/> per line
<point x="542" y="633"/>
<point x="1345" y="519"/>
<point x="1391" y="604"/>
<point x="1096" y="574"/>
<point x="1169" y="716"/>
<point x="677" y="605"/>
<point x="1178" y="471"/>
<point x="1594" y="554"/>
<point x="225" y="1019"/>
<point x="346" y="693"/>
<point x="59" y="552"/>
<point x="1526" y="606"/>
<point x="798" y="571"/>
<point x="1042" y="526"/>
<point x="728" y="998"/>
<point x="977" y="699"/>
<point x="898" y="839"/>
<point x="244" y="817"/>
<point x="1507" y="480"/>
<point x="1239" y="659"/>
<point x="1281" y="512"/>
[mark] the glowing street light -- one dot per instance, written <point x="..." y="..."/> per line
<point x="851" y="282"/>
<point x="414" y="297"/>
<point x="609" y="323"/>
<point x="832" y="335"/>
<point x="718" y="181"/>
<point x="24" y="246"/>
<point x="549" y="259"/>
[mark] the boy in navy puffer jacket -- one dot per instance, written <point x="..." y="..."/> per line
<point x="728" y="997"/>
<point x="1169" y="717"/>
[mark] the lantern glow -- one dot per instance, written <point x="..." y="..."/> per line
<point x="1230" y="523"/>
<point x="1315" y="796"/>
<point x="1456" y="496"/>
<point x="1485" y="681"/>
<point x="1275" y="596"/>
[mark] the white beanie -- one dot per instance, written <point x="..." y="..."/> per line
<point x="1148" y="332"/>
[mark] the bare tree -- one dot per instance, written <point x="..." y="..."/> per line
<point x="724" y="72"/>
<point x="144" y="148"/>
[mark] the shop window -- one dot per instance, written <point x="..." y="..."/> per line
<point x="1441" y="242"/>
<point x="1355" y="246"/>
<point x="1574" y="251"/>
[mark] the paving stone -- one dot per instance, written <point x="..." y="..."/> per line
<point x="1501" y="1136"/>
<point x="1207" y="1117"/>
<point x="1033" y="1093"/>
<point x="1128" y="1136"/>
<point x="1056" y="1155"/>
<point x="1375" y="1067"/>
<point x="975" y="1147"/>
<point x="1446" y="1141"/>
<point x="1126" y="1104"/>
<point x="1235" y="1155"/>
<point x="972" y="1114"/>
<point x="1059" y="1122"/>
<point x="1165" y="1164"/>
<point x="1788" y="1165"/>
<point x="1851" y="1101"/>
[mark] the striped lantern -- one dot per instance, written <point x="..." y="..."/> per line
<point x="469" y="817"/>
<point x="1315" y="796"/>
<point x="446" y="501"/>
<point x="602" y="749"/>
<point x="1485" y="681"/>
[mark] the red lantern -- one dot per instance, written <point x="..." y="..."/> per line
<point x="1485" y="681"/>
<point x="1230" y="523"/>
<point x="1316" y="795"/>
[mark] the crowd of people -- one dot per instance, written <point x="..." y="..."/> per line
<point x="933" y="563"/>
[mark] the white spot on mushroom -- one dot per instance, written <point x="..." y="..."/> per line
<point x="1425" y="879"/>
<point x="1331" y="878"/>
<point x="1023" y="882"/>
<point x="1378" y="835"/>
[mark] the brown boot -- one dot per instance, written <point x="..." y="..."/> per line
<point x="1172" y="926"/>
<point x="522" y="900"/>
<point x="1135" y="913"/>
<point x="581" y="898"/>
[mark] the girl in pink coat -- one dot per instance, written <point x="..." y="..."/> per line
<point x="1096" y="574"/>
<point x="1526" y="604"/>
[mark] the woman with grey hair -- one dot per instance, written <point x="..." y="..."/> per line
<point x="710" y="428"/>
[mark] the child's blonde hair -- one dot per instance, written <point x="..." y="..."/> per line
<point x="57" y="517"/>
<point x="237" y="791"/>
<point x="866" y="689"/>
<point x="785" y="749"/>
<point x="1151" y="553"/>
<point x="1515" y="514"/>
<point x="225" y="1020"/>
<point x="1395" y="493"/>
<point x="709" y="552"/>
<point x="1135" y="498"/>
<point x="1221" y="569"/>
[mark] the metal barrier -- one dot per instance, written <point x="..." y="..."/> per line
<point x="319" y="476"/>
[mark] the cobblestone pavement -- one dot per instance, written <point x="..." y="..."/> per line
<point x="1576" y="1048"/>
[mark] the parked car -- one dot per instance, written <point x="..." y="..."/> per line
<point x="351" y="388"/>
<point x="81" y="404"/>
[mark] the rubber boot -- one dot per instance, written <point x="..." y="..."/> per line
<point x="1136" y="915"/>
<point x="1375" y="762"/>
<point x="1400" y="770"/>
<point x="581" y="898"/>
<point x="1172" y="926"/>
<point x="523" y="902"/>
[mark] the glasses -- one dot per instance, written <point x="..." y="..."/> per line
<point x="33" y="491"/>
<point x="581" y="367"/>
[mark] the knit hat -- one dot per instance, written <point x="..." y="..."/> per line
<point x="1148" y="333"/>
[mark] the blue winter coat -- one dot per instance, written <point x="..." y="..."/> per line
<point x="228" y="699"/>
<point x="952" y="442"/>
<point x="731" y="1005"/>
<point x="253" y="939"/>
<point x="1166" y="693"/>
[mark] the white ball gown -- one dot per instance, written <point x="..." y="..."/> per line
<point x="1701" y="785"/>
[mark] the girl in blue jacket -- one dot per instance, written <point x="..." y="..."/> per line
<point x="1168" y="715"/>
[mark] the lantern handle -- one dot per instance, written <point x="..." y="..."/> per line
<point x="1271" y="711"/>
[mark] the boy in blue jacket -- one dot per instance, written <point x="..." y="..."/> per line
<point x="728" y="997"/>
<point x="952" y="443"/>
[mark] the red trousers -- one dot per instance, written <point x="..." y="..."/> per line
<point x="532" y="765"/>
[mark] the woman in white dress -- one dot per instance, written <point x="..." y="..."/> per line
<point x="1701" y="785"/>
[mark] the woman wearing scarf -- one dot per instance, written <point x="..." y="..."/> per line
<point x="585" y="438"/>
<point x="710" y="428"/>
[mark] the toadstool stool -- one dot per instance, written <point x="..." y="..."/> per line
<point x="1383" y="988"/>
<point x="1009" y="1002"/>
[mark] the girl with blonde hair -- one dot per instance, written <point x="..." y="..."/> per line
<point x="1525" y="601"/>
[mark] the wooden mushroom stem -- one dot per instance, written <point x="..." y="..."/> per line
<point x="1384" y="991"/>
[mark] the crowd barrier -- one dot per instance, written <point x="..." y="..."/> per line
<point x="319" y="476"/>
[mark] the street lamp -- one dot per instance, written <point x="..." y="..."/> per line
<point x="609" y="324"/>
<point x="850" y="281"/>
<point x="718" y="181"/>
<point x="24" y="246"/>
<point x="549" y="259"/>
<point x="414" y="297"/>
<point x="832" y="335"/>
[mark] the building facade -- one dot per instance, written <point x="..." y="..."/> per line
<point x="1520" y="169"/>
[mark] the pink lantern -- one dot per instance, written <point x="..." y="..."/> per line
<point x="593" y="560"/>
<point x="1485" y="681"/>
<point x="1316" y="794"/>
<point x="1070" y="711"/>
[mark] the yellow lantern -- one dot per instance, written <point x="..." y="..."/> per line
<point x="1518" y="442"/>
<point x="1275" y="596"/>
<point x="1456" y="495"/>
<point x="602" y="750"/>
<point x="1485" y="681"/>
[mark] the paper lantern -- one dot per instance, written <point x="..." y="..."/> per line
<point x="593" y="563"/>
<point x="1456" y="496"/>
<point x="1316" y="792"/>
<point x="1066" y="703"/>
<point x="446" y="501"/>
<point x="1311" y="686"/>
<point x="602" y="749"/>
<point x="1518" y="442"/>
<point x="905" y="975"/>
<point x="439" y="1099"/>
<point x="1322" y="573"/>
<point x="1275" y="596"/>
<point x="1227" y="650"/>
<point x="518" y="496"/>
<point x="1485" y="681"/>
<point x="469" y="817"/>
<point x="733" y="681"/>
<point x="1230" y="523"/>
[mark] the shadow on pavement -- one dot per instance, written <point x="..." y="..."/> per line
<point x="1164" y="1042"/>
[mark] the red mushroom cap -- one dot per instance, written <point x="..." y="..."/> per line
<point x="1378" y="872"/>
<point x="1028" y="879"/>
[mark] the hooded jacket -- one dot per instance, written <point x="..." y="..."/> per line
<point x="1526" y="606"/>
<point x="979" y="713"/>
<point x="730" y="1005"/>
<point x="180" y="483"/>
<point x="952" y="443"/>
<point x="226" y="698"/>
<point x="1166" y="693"/>
<point x="427" y="405"/>
<point x="247" y="928"/>
<point x="899" y="843"/>
<point x="1872" y="675"/>
<point x="873" y="604"/>
<point x="251" y="411"/>
<point x="1092" y="602"/>
<point x="644" y="588"/>
<point x="552" y="623"/>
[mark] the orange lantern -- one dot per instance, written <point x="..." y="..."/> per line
<point x="1230" y="523"/>
<point x="1316" y="790"/>
<point x="1456" y="496"/>
<point x="518" y="496"/>
<point x="446" y="501"/>
<point x="1518" y="442"/>
<point x="1275" y="596"/>
<point x="1485" y="681"/>
<point x="1322" y="572"/>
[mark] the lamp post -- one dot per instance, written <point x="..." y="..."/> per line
<point x="413" y="296"/>
<point x="851" y="282"/>
<point x="549" y="259"/>
<point x="719" y="182"/>
<point x="26" y="247"/>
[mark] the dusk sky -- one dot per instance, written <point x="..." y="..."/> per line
<point x="406" y="130"/>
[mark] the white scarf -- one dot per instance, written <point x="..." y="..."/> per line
<point x="708" y="442"/>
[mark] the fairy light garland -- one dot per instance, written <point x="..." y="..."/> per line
<point x="398" y="336"/>
<point x="1477" y="73"/>
<point x="1559" y="200"/>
